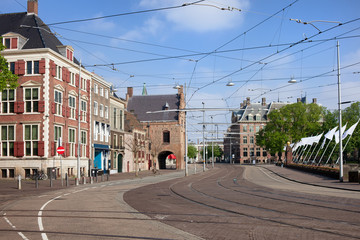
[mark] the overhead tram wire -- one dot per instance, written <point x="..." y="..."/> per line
<point x="278" y="52"/>
<point x="125" y="14"/>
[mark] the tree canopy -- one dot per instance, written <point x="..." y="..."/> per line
<point x="192" y="151"/>
<point x="7" y="78"/>
<point x="290" y="123"/>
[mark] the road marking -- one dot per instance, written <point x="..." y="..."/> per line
<point x="13" y="226"/>
<point x="270" y="176"/>
<point x="41" y="227"/>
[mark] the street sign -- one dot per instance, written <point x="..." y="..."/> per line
<point x="60" y="150"/>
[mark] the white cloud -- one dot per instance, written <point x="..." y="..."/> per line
<point x="203" y="17"/>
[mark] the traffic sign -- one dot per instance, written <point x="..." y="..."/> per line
<point x="60" y="150"/>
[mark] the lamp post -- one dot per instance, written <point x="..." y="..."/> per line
<point x="79" y="131"/>
<point x="204" y="136"/>
<point x="341" y="170"/>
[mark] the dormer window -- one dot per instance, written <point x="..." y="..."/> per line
<point x="66" y="51"/>
<point x="69" y="54"/>
<point x="11" y="43"/>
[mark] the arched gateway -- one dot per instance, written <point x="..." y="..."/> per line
<point x="167" y="160"/>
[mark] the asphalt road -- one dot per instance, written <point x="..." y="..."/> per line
<point x="228" y="202"/>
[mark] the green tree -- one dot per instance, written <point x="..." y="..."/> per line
<point x="290" y="123"/>
<point x="350" y="116"/>
<point x="218" y="152"/>
<point x="7" y="78"/>
<point x="192" y="151"/>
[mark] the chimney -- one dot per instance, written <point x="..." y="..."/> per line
<point x="314" y="100"/>
<point x="263" y="101"/>
<point x="129" y="93"/>
<point x="248" y="101"/>
<point x="32" y="7"/>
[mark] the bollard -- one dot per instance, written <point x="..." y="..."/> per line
<point x="51" y="182"/>
<point x="102" y="177"/>
<point x="107" y="177"/>
<point x="66" y="179"/>
<point x="84" y="180"/>
<point x="91" y="180"/>
<point x="36" y="182"/>
<point x="19" y="182"/>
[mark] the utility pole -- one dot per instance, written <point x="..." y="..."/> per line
<point x="79" y="130"/>
<point x="203" y="136"/>
<point x="341" y="172"/>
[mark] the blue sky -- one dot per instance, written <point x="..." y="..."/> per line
<point x="136" y="43"/>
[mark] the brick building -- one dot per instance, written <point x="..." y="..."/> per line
<point x="166" y="130"/>
<point x="43" y="112"/>
<point x="240" y="141"/>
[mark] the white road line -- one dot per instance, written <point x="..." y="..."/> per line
<point x="13" y="226"/>
<point x="41" y="227"/>
<point x="270" y="176"/>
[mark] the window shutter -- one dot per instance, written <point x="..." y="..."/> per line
<point x="14" y="43"/>
<point x="63" y="111"/>
<point x="41" y="106"/>
<point x="19" y="149"/>
<point x="67" y="75"/>
<point x="67" y="149"/>
<point x="53" y="108"/>
<point x="64" y="73"/>
<point x="41" y="146"/>
<point x="52" y="68"/>
<point x="21" y="67"/>
<point x="53" y="150"/>
<point x="42" y="66"/>
<point x="77" y="80"/>
<point x="19" y="107"/>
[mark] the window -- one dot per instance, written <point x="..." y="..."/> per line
<point x="244" y="128"/>
<point x="258" y="152"/>
<point x="245" y="139"/>
<point x="121" y="120"/>
<point x="58" y="72"/>
<point x="101" y="109"/>
<point x="72" y="138"/>
<point x="57" y="136"/>
<point x="8" y="100"/>
<point x="257" y="117"/>
<point x="257" y="129"/>
<point x="7" y="43"/>
<point x="102" y="132"/>
<point x="264" y="153"/>
<point x="31" y="100"/>
<point x="83" y="143"/>
<point x="251" y="128"/>
<point x="11" y="43"/>
<point x="106" y="94"/>
<point x="245" y="152"/>
<point x="31" y="139"/>
<point x="106" y="112"/>
<point x="107" y="133"/>
<point x="72" y="106"/>
<point x="72" y="79"/>
<point x="166" y="137"/>
<point x="96" y="110"/>
<point x="115" y="118"/>
<point x="32" y="67"/>
<point x="251" y="139"/>
<point x="101" y="91"/>
<point x="12" y="67"/>
<point x="83" y="110"/>
<point x="58" y="102"/>
<point x="96" y="130"/>
<point x="115" y="141"/>
<point x="251" y="152"/>
<point x="96" y="88"/>
<point x="83" y="84"/>
<point x="7" y="140"/>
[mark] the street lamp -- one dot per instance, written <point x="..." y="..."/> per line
<point x="204" y="159"/>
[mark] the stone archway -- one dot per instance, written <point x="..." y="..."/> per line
<point x="165" y="163"/>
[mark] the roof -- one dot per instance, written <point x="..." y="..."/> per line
<point x="38" y="37"/>
<point x="139" y="105"/>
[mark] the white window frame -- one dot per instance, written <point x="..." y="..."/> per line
<point x="106" y="94"/>
<point x="101" y="91"/>
<point x="83" y="143"/>
<point x="31" y="141"/>
<point x="58" y="134"/>
<point x="96" y="88"/>
<point x="6" y="140"/>
<point x="96" y="108"/>
<point x="106" y="112"/>
<point x="102" y="131"/>
<point x="96" y="130"/>
<point x="72" y="107"/>
<point x="10" y="43"/>
<point x="101" y="110"/>
<point x="83" y="84"/>
<point x="83" y="110"/>
<point x="9" y="103"/>
<point x="34" y="102"/>
<point x="72" y="142"/>
<point x="72" y="79"/>
<point x="58" y="72"/>
<point x="32" y="70"/>
<point x="58" y="105"/>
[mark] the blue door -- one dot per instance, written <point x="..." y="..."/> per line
<point x="97" y="160"/>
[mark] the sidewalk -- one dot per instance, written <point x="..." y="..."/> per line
<point x="311" y="179"/>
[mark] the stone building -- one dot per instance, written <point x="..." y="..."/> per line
<point x="166" y="129"/>
<point x="52" y="99"/>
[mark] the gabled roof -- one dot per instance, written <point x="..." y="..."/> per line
<point x="38" y="34"/>
<point x="139" y="105"/>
